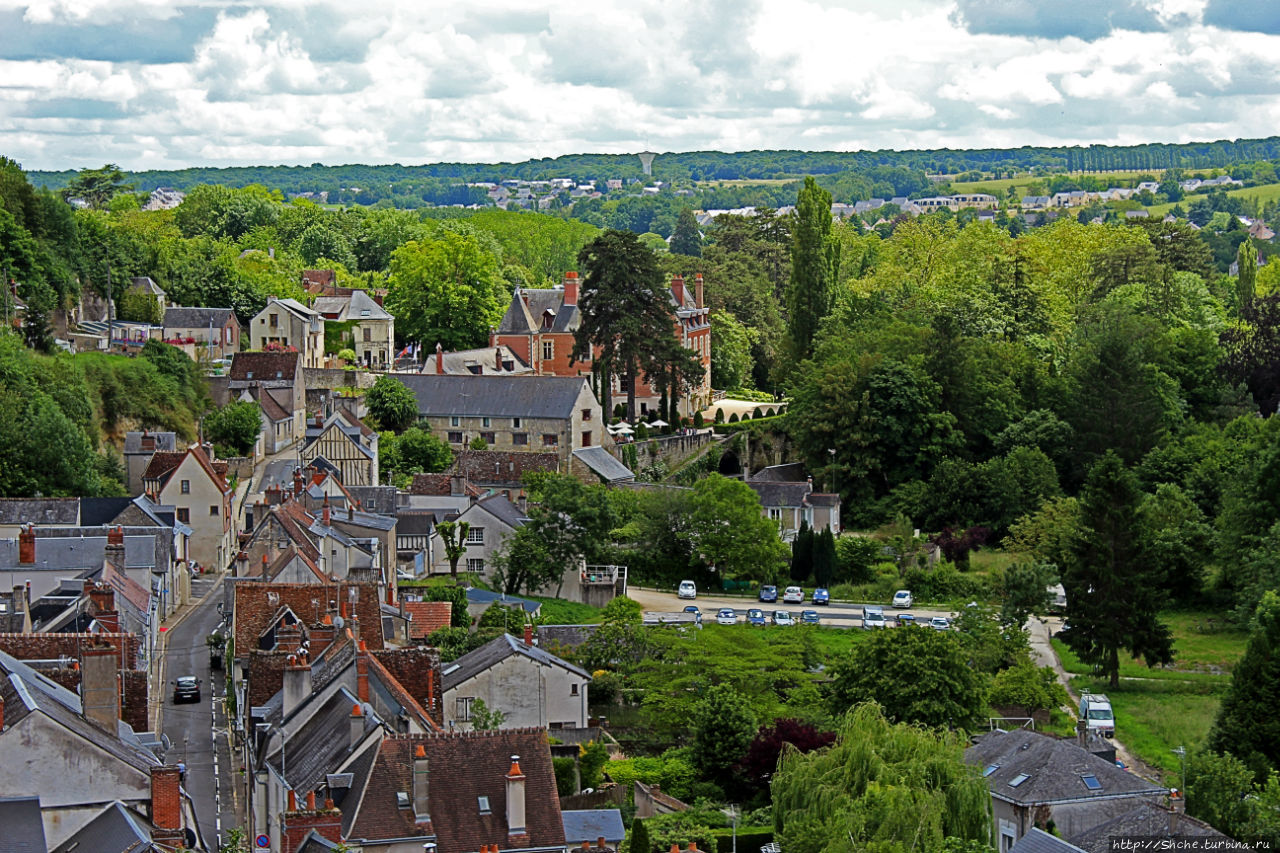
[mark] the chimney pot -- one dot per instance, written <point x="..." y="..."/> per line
<point x="311" y="801"/>
<point x="600" y="841"/>
<point x="293" y="801"/>
<point x="528" y="635"/>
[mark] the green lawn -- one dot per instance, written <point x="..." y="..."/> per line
<point x="556" y="611"/>
<point x="1264" y="193"/>
<point x="1163" y="708"/>
<point x="1000" y="188"/>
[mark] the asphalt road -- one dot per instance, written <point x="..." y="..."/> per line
<point x="197" y="731"/>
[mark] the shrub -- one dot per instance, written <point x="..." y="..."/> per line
<point x="719" y="416"/>
<point x="697" y="419"/>
<point x="566" y="785"/>
<point x="733" y="419"/>
<point x="757" y="413"/>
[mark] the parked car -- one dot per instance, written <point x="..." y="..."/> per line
<point x="821" y="596"/>
<point x="809" y="617"/>
<point x="784" y="618"/>
<point x="755" y="616"/>
<point x="726" y="616"/>
<point x="906" y="619"/>
<point x="692" y="608"/>
<point x="768" y="593"/>
<point x="793" y="595"/>
<point x="902" y="598"/>
<point x="1095" y="708"/>
<point x="941" y="623"/>
<point x="186" y="689"/>
<point x="873" y="617"/>
<point x="688" y="589"/>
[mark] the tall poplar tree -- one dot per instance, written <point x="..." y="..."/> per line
<point x="1114" y="592"/>
<point x="1247" y="274"/>
<point x="686" y="239"/>
<point x="815" y="267"/>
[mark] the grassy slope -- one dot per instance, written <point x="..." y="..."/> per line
<point x="1163" y="708"/>
<point x="1263" y="193"/>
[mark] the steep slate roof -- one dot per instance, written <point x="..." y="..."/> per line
<point x="552" y="397"/>
<point x="496" y="466"/>
<point x="26" y="691"/>
<point x="463" y="767"/>
<point x="39" y="510"/>
<point x="790" y="472"/>
<point x="179" y="317"/>
<point x="263" y="366"/>
<point x="603" y="464"/>
<point x="361" y="303"/>
<point x="163" y="441"/>
<point x="98" y="511"/>
<point x="462" y="362"/>
<point x="427" y="617"/>
<point x="23" y="826"/>
<point x="590" y="824"/>
<point x="315" y="843"/>
<point x="319" y="746"/>
<point x="80" y="552"/>
<point x="115" y="828"/>
<point x="496" y="650"/>
<point x="1144" y="819"/>
<point x="272" y="407"/>
<point x="417" y="522"/>
<point x="521" y="319"/>
<point x="1054" y="769"/>
<point x="781" y="494"/>
<point x="502" y="509"/>
<point x="1038" y="841"/>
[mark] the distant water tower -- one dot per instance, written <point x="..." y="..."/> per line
<point x="646" y="161"/>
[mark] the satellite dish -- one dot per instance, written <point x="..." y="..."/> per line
<point x="338" y="622"/>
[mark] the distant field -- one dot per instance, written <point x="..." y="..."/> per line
<point x="748" y="182"/>
<point x="1263" y="193"/>
<point x="1000" y="188"/>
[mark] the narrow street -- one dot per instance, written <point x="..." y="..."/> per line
<point x="197" y="731"/>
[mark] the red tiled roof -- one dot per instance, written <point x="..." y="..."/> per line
<point x="401" y="693"/>
<point x="427" y="617"/>
<point x="163" y="464"/>
<point x="264" y="366"/>
<point x="438" y="485"/>
<point x="255" y="608"/>
<point x="497" y="466"/>
<point x="462" y="768"/>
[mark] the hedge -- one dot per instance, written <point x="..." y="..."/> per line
<point x="750" y="838"/>
<point x="763" y="423"/>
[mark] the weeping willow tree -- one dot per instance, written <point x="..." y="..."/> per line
<point x="881" y="786"/>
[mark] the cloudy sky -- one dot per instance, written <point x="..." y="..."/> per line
<point x="169" y="83"/>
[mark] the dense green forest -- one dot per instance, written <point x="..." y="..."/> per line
<point x="716" y="165"/>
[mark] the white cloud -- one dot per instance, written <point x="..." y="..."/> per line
<point x="293" y="81"/>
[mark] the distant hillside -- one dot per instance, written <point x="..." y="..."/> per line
<point x="707" y="166"/>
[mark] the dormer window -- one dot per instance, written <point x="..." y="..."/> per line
<point x="483" y="803"/>
<point x="548" y="318"/>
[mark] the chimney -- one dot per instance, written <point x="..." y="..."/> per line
<point x="296" y="824"/>
<point x="524" y="297"/>
<point x="697" y="290"/>
<point x="325" y="517"/>
<point x="600" y="841"/>
<point x="166" y="805"/>
<point x="1082" y="733"/>
<point x="297" y="481"/>
<point x="297" y="683"/>
<point x="515" y="799"/>
<point x="100" y="686"/>
<point x="27" y="545"/>
<point x="265" y="563"/>
<point x="421" y="804"/>
<point x="528" y="635"/>
<point x="114" y="552"/>
<point x="351" y="510"/>
<point x="439" y="359"/>
<point x="570" y="288"/>
<point x="497" y="359"/>
<point x="493" y="336"/>
<point x="357" y="725"/>
<point x="362" y="671"/>
<point x="677" y="287"/>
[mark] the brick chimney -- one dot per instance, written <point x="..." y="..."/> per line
<point x="570" y="288"/>
<point x="100" y="686"/>
<point x="322" y="635"/>
<point x="528" y="635"/>
<point x="114" y="552"/>
<point x="515" y="799"/>
<point x="439" y="359"/>
<point x="677" y="287"/>
<point x="325" y="517"/>
<point x="497" y="358"/>
<point x="357" y="724"/>
<point x="166" y="805"/>
<point x="297" y="823"/>
<point x="27" y="545"/>
<point x="297" y="481"/>
<point x="697" y="290"/>
<point x="421" y="780"/>
<point x="362" y="671"/>
<point x="297" y="683"/>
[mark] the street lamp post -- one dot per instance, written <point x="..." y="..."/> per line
<point x="732" y="814"/>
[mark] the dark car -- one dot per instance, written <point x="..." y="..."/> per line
<point x="755" y="616"/>
<point x="821" y="596"/>
<point x="692" y="608"/>
<point x="186" y="689"/>
<point x="768" y="593"/>
<point x="809" y="617"/>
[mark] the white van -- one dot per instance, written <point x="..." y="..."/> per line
<point x="688" y="589"/>
<point x="873" y="617"/>
<point x="1095" y="710"/>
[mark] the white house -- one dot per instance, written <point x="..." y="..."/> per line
<point x="533" y="688"/>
